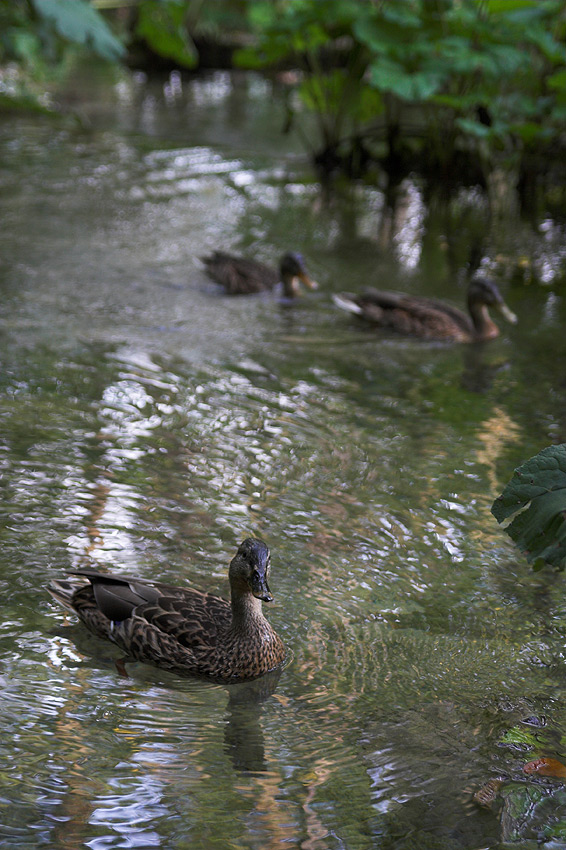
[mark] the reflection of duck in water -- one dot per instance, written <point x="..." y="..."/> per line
<point x="240" y="276"/>
<point x="243" y="733"/>
<point x="184" y="630"/>
<point x="429" y="318"/>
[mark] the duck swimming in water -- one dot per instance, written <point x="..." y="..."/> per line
<point x="180" y="629"/>
<point x="429" y="318"/>
<point x="241" y="276"/>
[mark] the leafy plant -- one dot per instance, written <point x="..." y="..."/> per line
<point x="79" y="22"/>
<point x="534" y="506"/>
<point x="164" y="27"/>
<point x="169" y="28"/>
<point x="34" y="39"/>
<point x="484" y="74"/>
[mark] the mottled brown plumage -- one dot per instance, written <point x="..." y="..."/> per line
<point x="241" y="276"/>
<point x="180" y="629"/>
<point x="429" y="318"/>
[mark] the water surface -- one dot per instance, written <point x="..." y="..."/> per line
<point x="149" y="424"/>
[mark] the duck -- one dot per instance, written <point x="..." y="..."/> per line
<point x="242" y="276"/>
<point x="180" y="629"/>
<point x="429" y="318"/>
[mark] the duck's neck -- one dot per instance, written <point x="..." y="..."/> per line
<point x="290" y="286"/>
<point x="246" y="612"/>
<point x="484" y="326"/>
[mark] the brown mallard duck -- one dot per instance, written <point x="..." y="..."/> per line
<point x="240" y="276"/>
<point x="180" y="629"/>
<point x="429" y="318"/>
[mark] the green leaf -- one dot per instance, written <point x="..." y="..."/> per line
<point x="474" y="128"/>
<point x="78" y="21"/>
<point x="401" y="13"/>
<point x="163" y="27"/>
<point x="496" y="7"/>
<point x="262" y="15"/>
<point x="390" y="76"/>
<point x="22" y="102"/>
<point x="558" y="80"/>
<point x="25" y="45"/>
<point x="530" y="131"/>
<point x="552" y="49"/>
<point x="536" y="500"/>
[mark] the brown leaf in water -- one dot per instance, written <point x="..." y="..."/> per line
<point x="546" y="767"/>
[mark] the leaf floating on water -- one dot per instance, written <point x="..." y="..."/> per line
<point x="534" y="504"/>
<point x="546" y="767"/>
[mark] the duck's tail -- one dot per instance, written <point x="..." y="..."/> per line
<point x="63" y="590"/>
<point x="346" y="301"/>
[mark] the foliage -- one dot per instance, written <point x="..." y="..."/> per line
<point x="77" y="21"/>
<point x="34" y="37"/>
<point x="535" y="501"/>
<point x="484" y="72"/>
<point x="424" y="76"/>
<point x="163" y="26"/>
<point x="169" y="27"/>
<point x="36" y="30"/>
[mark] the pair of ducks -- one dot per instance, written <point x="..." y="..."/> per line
<point x="426" y="318"/>
<point x="194" y="633"/>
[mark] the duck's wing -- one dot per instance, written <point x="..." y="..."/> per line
<point x="442" y="308"/>
<point x="238" y="275"/>
<point x="415" y="314"/>
<point x="109" y="602"/>
<point x="117" y="596"/>
<point x="191" y="618"/>
<point x="181" y="633"/>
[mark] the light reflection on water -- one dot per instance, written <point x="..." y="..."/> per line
<point x="149" y="425"/>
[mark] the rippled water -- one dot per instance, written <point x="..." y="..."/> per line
<point x="149" y="424"/>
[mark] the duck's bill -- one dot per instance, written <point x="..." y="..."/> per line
<point x="507" y="313"/>
<point x="260" y="589"/>
<point x="308" y="281"/>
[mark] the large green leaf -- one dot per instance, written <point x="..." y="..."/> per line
<point x="558" y="80"/>
<point x="388" y="75"/>
<point x="496" y="7"/>
<point x="163" y="26"/>
<point x="535" y="500"/>
<point x="78" y="21"/>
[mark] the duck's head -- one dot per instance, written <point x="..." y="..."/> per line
<point x="292" y="270"/>
<point x="482" y="290"/>
<point x="249" y="569"/>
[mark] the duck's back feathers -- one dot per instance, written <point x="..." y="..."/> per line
<point x="241" y="276"/>
<point x="430" y="318"/>
<point x="238" y="275"/>
<point x="408" y="314"/>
